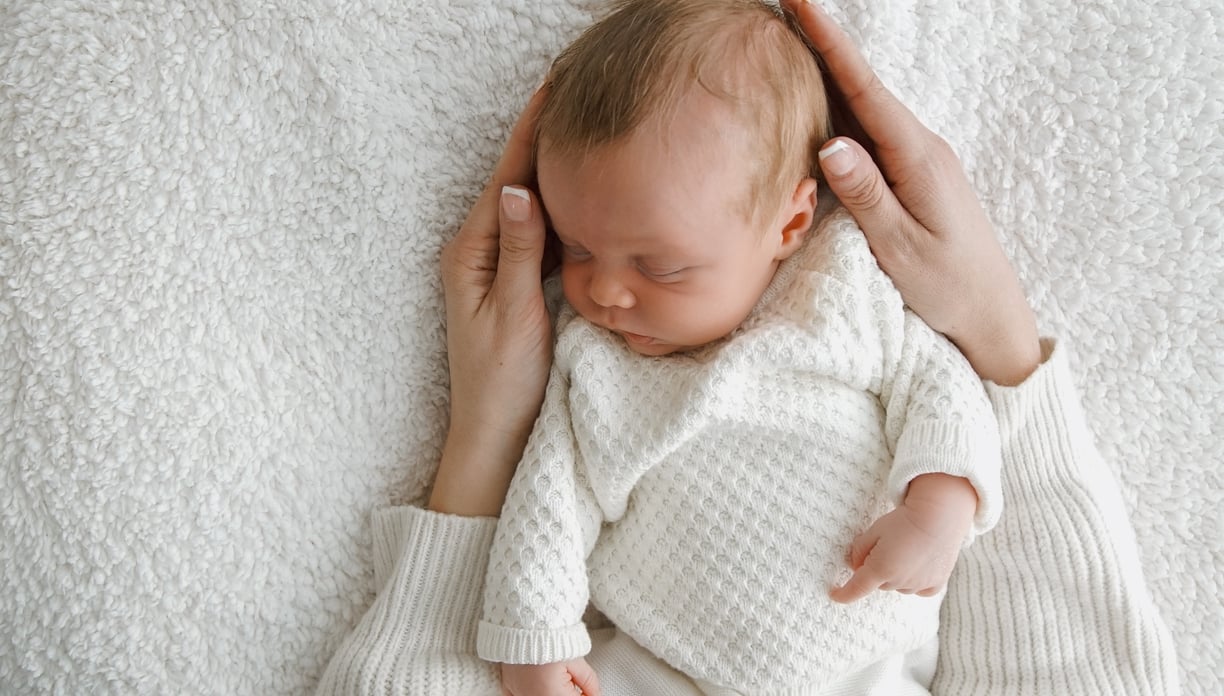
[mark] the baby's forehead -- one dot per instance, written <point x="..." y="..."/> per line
<point x="696" y="121"/>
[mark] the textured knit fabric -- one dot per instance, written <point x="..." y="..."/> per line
<point x="1019" y="618"/>
<point x="1004" y="631"/>
<point x="711" y="497"/>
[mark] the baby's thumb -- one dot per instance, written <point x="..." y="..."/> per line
<point x="859" y="185"/>
<point x="860" y="548"/>
<point x="583" y="676"/>
<point x="520" y="241"/>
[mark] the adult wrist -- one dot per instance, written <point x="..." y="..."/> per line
<point x="475" y="470"/>
<point x="1006" y="353"/>
<point x="1006" y="364"/>
<point x="494" y="443"/>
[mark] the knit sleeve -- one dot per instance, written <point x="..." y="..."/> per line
<point x="939" y="420"/>
<point x="419" y="636"/>
<point x="536" y="589"/>
<point x="936" y="416"/>
<point x="1053" y="600"/>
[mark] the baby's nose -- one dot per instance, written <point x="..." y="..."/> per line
<point x="608" y="290"/>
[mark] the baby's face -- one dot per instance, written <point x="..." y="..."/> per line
<point x="658" y="246"/>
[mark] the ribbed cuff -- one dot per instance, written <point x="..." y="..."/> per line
<point x="439" y="575"/>
<point x="1042" y="425"/>
<point x="525" y="646"/>
<point x="947" y="448"/>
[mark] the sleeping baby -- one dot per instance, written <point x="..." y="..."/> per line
<point x="740" y="406"/>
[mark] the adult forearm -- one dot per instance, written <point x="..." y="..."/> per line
<point x="475" y="471"/>
<point x="1001" y="344"/>
<point x="419" y="637"/>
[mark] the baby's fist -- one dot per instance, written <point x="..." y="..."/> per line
<point x="568" y="678"/>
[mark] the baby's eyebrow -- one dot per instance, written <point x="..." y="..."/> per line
<point x="664" y="259"/>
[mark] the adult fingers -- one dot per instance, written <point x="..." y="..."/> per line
<point x="521" y="245"/>
<point x="515" y="165"/>
<point x="852" y="175"/>
<point x="470" y="259"/>
<point x="888" y="122"/>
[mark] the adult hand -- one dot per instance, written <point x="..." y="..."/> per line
<point x="498" y="336"/>
<point x="921" y="217"/>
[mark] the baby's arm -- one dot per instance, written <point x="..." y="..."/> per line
<point x="946" y="459"/>
<point x="536" y="585"/>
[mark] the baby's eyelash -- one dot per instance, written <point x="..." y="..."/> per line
<point x="660" y="274"/>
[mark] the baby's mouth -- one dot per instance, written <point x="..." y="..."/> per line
<point x="637" y="339"/>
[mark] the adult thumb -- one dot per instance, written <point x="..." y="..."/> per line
<point x="852" y="175"/>
<point x="520" y="241"/>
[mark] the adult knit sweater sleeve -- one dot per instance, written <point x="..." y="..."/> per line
<point x="536" y="589"/>
<point x="1053" y="601"/>
<point x="419" y="636"/>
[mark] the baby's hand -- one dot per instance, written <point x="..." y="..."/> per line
<point x="569" y="678"/>
<point x="913" y="548"/>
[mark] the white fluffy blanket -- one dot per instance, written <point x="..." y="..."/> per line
<point x="220" y="334"/>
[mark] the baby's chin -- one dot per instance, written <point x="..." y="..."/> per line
<point x="654" y="350"/>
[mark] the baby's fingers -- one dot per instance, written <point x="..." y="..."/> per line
<point x="861" y="548"/>
<point x="864" y="581"/>
<point x="584" y="678"/>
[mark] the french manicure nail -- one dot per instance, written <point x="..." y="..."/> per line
<point x="838" y="158"/>
<point x="516" y="202"/>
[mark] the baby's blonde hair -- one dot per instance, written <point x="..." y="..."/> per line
<point x="642" y="59"/>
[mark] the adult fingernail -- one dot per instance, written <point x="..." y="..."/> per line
<point x="838" y="158"/>
<point x="517" y="203"/>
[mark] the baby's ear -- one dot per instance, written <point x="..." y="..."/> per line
<point x="796" y="218"/>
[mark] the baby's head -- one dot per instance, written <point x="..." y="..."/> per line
<point x="676" y="155"/>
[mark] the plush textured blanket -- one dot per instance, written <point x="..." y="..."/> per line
<point x="220" y="334"/>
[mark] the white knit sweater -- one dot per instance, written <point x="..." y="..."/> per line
<point x="710" y="498"/>
<point x="1026" y="613"/>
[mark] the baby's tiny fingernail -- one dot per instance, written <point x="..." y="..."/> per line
<point x="838" y="158"/>
<point x="516" y="202"/>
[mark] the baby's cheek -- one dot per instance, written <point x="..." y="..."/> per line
<point x="570" y="283"/>
<point x="574" y="287"/>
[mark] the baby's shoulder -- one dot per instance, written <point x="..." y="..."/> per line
<point x="835" y="261"/>
<point x="836" y="247"/>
